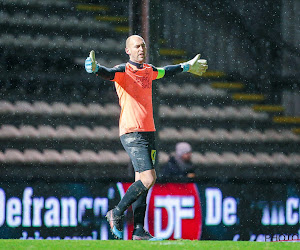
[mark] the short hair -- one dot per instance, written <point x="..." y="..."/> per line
<point x="128" y="40"/>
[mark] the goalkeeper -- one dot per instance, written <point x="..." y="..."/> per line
<point x="133" y="82"/>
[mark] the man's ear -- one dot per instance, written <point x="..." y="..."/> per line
<point x="127" y="51"/>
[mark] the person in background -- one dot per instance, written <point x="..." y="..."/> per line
<point x="180" y="164"/>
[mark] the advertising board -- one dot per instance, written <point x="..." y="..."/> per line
<point x="225" y="211"/>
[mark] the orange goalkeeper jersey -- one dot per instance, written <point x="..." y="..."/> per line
<point x="134" y="89"/>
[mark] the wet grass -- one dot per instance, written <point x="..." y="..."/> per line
<point x="166" y="244"/>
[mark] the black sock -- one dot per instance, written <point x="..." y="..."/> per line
<point x="133" y="193"/>
<point x="139" y="210"/>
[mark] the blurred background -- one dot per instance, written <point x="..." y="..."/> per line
<point x="242" y="118"/>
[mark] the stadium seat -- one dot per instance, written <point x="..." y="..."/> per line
<point x="32" y="156"/>
<point x="231" y="159"/>
<point x="222" y="135"/>
<point x="6" y="107"/>
<point x="188" y="134"/>
<point x="13" y="156"/>
<point x="294" y="159"/>
<point x="59" y="108"/>
<point x="51" y="156"/>
<point x="113" y="133"/>
<point x="101" y="132"/>
<point x="77" y="109"/>
<point x="198" y="159"/>
<point x="206" y="134"/>
<point x="264" y="158"/>
<point x="106" y="157"/>
<point x="281" y="159"/>
<point x="112" y="110"/>
<point x="95" y="109"/>
<point x="41" y="107"/>
<point x="248" y="159"/>
<point x="46" y="132"/>
<point x="70" y="156"/>
<point x="88" y="156"/>
<point x="9" y="131"/>
<point x="28" y="131"/>
<point x="122" y="157"/>
<point x="170" y="133"/>
<point x="64" y="132"/>
<point x="83" y="132"/>
<point x="213" y="158"/>
<point x="188" y="89"/>
<point x="23" y="107"/>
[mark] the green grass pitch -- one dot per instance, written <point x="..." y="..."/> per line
<point x="145" y="245"/>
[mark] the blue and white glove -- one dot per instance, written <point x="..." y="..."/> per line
<point x="195" y="66"/>
<point x="91" y="65"/>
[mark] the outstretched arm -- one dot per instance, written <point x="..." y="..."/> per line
<point x="195" y="66"/>
<point x="91" y="66"/>
<point x="169" y="70"/>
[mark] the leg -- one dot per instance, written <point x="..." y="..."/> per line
<point x="147" y="177"/>
<point x="140" y="205"/>
<point x="140" y="187"/>
<point x="140" y="148"/>
<point x="115" y="216"/>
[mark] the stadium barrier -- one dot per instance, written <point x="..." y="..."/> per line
<point x="260" y="211"/>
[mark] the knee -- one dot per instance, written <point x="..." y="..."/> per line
<point x="149" y="181"/>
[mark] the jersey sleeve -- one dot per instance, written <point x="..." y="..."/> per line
<point x="111" y="73"/>
<point x="167" y="71"/>
<point x="155" y="73"/>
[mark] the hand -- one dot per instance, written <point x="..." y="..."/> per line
<point x="195" y="66"/>
<point x="91" y="65"/>
<point x="191" y="175"/>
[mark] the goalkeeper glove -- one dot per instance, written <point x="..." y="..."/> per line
<point x="195" y="66"/>
<point x="91" y="65"/>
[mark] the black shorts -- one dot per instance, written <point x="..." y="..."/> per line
<point x="140" y="147"/>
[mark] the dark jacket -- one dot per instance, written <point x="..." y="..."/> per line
<point x="175" y="168"/>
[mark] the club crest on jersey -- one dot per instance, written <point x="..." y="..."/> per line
<point x="153" y="156"/>
<point x="144" y="81"/>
